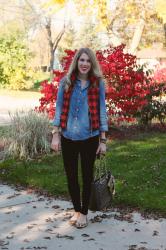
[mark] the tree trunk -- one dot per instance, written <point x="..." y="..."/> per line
<point x="165" y="34"/>
<point x="53" y="45"/>
<point x="137" y="36"/>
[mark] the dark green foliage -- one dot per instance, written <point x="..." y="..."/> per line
<point x="155" y="108"/>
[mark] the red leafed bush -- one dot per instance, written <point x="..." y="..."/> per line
<point x="127" y="85"/>
<point x="156" y="104"/>
<point x="160" y="74"/>
<point x="49" y="91"/>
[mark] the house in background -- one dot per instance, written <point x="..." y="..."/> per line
<point x="154" y="56"/>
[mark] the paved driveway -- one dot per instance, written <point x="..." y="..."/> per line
<point x="31" y="221"/>
<point x="10" y="103"/>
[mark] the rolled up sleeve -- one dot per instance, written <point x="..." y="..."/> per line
<point x="103" y="113"/>
<point x="59" y="104"/>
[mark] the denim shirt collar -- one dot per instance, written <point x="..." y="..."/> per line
<point x="78" y="82"/>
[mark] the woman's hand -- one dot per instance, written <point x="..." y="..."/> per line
<point x="101" y="148"/>
<point x="55" y="144"/>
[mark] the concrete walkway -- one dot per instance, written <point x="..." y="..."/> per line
<point x="31" y="221"/>
<point x="10" y="103"/>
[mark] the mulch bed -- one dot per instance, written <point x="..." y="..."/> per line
<point x="131" y="131"/>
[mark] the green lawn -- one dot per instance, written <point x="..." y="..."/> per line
<point x="139" y="167"/>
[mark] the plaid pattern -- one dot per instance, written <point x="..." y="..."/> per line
<point x="93" y="102"/>
<point x="65" y="108"/>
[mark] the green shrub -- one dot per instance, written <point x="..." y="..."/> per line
<point x="14" y="57"/>
<point x="155" y="109"/>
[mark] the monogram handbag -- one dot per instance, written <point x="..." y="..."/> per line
<point x="102" y="187"/>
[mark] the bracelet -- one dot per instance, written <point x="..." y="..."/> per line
<point x="55" y="131"/>
<point x="103" y="140"/>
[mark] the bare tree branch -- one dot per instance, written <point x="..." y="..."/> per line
<point x="58" y="38"/>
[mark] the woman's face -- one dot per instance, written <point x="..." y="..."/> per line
<point x="84" y="64"/>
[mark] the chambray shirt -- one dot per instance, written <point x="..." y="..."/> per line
<point x="78" y="123"/>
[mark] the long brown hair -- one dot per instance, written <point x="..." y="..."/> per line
<point x="95" y="70"/>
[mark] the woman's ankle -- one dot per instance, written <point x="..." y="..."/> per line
<point x="85" y="214"/>
<point x="76" y="212"/>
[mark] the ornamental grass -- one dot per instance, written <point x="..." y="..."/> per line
<point x="28" y="135"/>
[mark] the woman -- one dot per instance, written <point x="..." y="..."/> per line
<point x="80" y="125"/>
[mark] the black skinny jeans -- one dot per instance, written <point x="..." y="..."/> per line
<point x="70" y="152"/>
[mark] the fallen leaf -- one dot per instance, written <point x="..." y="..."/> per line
<point x="49" y="220"/>
<point x="47" y="238"/>
<point x="48" y="230"/>
<point x="96" y="219"/>
<point x="132" y="247"/>
<point x="29" y="191"/>
<point x="89" y="239"/>
<point x="55" y="206"/>
<point x="9" y="237"/>
<point x="155" y="233"/>
<point x="85" y="235"/>
<point x="124" y="217"/>
<point x="65" y="236"/>
<point x="41" y="199"/>
<point x="12" y="196"/>
<point x="4" y="243"/>
<point x="26" y="240"/>
<point x="136" y="230"/>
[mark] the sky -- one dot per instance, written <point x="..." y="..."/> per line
<point x="69" y="14"/>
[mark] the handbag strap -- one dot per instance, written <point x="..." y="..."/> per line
<point x="100" y="167"/>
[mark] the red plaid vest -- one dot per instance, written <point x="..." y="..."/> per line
<point x="93" y="102"/>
